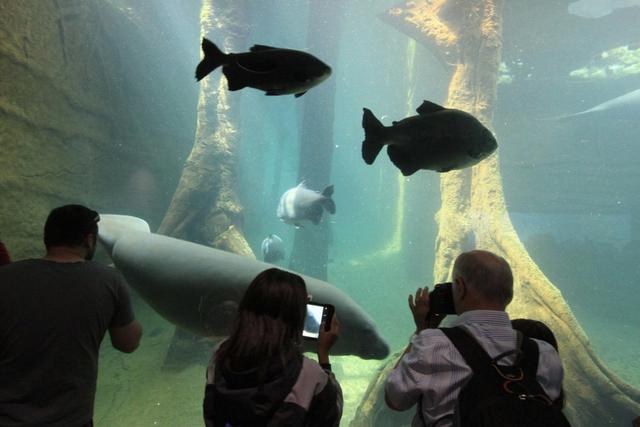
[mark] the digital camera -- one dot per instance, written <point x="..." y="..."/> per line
<point x="441" y="299"/>
<point x="317" y="314"/>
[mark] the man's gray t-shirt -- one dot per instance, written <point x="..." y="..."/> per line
<point x="53" y="317"/>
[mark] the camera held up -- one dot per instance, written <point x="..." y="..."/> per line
<point x="441" y="300"/>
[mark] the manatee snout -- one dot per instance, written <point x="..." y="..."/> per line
<point x="373" y="346"/>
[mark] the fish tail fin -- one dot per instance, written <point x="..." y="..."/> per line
<point x="373" y="136"/>
<point x="327" y="201"/>
<point x="213" y="58"/>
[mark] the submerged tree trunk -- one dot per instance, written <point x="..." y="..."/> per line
<point x="205" y="207"/>
<point x="310" y="252"/>
<point x="473" y="204"/>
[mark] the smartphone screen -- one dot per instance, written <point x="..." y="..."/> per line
<point x="313" y="320"/>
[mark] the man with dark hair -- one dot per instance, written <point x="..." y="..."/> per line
<point x="433" y="373"/>
<point x="54" y="313"/>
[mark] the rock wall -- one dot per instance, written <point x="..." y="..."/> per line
<point x="97" y="106"/>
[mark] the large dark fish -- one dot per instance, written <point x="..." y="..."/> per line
<point x="274" y="70"/>
<point x="438" y="138"/>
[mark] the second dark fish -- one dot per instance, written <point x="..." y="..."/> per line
<point x="438" y="138"/>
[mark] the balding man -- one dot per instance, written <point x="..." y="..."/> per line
<point x="433" y="372"/>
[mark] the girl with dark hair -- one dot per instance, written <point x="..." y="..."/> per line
<point x="258" y="376"/>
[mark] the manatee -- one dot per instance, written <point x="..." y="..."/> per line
<point x="198" y="288"/>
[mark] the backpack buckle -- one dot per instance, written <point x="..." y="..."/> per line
<point x="524" y="394"/>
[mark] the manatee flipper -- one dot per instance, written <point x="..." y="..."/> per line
<point x="373" y="136"/>
<point x="213" y="58"/>
<point x="298" y="95"/>
<point x="402" y="160"/>
<point x="327" y="201"/>
<point x="429" y="107"/>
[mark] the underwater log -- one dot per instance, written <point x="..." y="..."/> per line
<point x="205" y="207"/>
<point x="473" y="202"/>
<point x="310" y="253"/>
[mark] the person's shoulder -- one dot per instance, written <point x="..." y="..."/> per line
<point x="102" y="269"/>
<point x="105" y="273"/>
<point x="545" y="347"/>
<point x="430" y="337"/>
<point x="312" y="371"/>
<point x="430" y="341"/>
<point x="25" y="264"/>
<point x="311" y="365"/>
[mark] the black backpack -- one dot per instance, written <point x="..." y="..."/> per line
<point x="499" y="395"/>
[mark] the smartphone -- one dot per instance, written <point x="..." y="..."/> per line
<point x="317" y="314"/>
<point x="441" y="299"/>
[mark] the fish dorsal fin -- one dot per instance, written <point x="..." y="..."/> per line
<point x="259" y="47"/>
<point x="429" y="107"/>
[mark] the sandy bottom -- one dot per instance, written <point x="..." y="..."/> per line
<point x="618" y="345"/>
<point x="134" y="390"/>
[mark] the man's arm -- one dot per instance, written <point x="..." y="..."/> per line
<point x="126" y="338"/>
<point x="423" y="320"/>
<point x="124" y="330"/>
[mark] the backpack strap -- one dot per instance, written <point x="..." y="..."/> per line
<point x="531" y="355"/>
<point x="478" y="359"/>
<point x="472" y="352"/>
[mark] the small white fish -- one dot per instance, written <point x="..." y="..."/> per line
<point x="272" y="248"/>
<point x="300" y="204"/>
